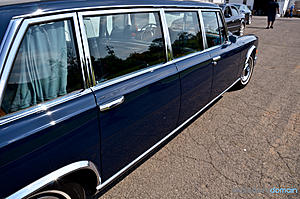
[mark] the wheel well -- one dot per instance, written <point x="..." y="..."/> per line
<point x="85" y="177"/>
<point x="253" y="54"/>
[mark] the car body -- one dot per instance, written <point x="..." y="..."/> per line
<point x="235" y="20"/>
<point x="89" y="88"/>
<point x="246" y="11"/>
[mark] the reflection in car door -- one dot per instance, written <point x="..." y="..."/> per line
<point x="138" y="101"/>
<point x="236" y="19"/>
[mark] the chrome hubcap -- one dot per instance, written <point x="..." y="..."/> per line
<point x="247" y="71"/>
<point x="242" y="30"/>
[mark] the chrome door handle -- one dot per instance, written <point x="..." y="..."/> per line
<point x="215" y="60"/>
<point x="112" y="104"/>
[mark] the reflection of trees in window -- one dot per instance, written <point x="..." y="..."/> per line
<point x="187" y="43"/>
<point x="112" y="66"/>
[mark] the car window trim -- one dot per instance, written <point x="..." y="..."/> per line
<point x="12" y="53"/>
<point x="166" y="35"/>
<point x="226" y="37"/>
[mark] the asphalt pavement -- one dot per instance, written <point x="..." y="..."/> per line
<point x="245" y="145"/>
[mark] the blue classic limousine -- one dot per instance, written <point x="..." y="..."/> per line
<point x="88" y="88"/>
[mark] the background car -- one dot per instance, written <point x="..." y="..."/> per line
<point x="246" y="11"/>
<point x="234" y="19"/>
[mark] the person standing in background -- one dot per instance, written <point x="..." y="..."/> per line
<point x="273" y="8"/>
<point x="291" y="10"/>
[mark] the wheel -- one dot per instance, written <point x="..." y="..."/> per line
<point x="242" y="29"/>
<point x="246" y="73"/>
<point x="250" y="20"/>
<point x="65" y="191"/>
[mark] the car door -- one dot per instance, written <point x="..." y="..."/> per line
<point x="193" y="64"/>
<point x="48" y="117"/>
<point x="224" y="55"/>
<point x="137" y="92"/>
<point x="236" y="19"/>
<point x="229" y="19"/>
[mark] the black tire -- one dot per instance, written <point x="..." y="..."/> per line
<point x="246" y="73"/>
<point x="64" y="191"/>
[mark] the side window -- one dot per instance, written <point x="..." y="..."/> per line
<point x="125" y="43"/>
<point x="227" y="12"/>
<point x="235" y="12"/>
<point x="185" y="33"/>
<point x="221" y="28"/>
<point x="211" y="28"/>
<point x="46" y="67"/>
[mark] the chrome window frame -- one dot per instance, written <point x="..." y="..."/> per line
<point x="11" y="50"/>
<point x="222" y="17"/>
<point x="133" y="74"/>
<point x="168" y="46"/>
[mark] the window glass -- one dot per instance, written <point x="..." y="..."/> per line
<point x="235" y="12"/>
<point x="227" y="12"/>
<point x="46" y="67"/>
<point x="221" y="28"/>
<point x="211" y="28"/>
<point x="185" y="33"/>
<point x="126" y="43"/>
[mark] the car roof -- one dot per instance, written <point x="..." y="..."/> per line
<point x="12" y="8"/>
<point x="228" y="4"/>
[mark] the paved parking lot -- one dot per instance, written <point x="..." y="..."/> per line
<point x="249" y="139"/>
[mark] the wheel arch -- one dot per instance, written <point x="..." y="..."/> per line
<point x="81" y="172"/>
<point x="251" y="51"/>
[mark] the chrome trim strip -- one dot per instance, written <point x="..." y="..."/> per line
<point x="108" y="181"/>
<point x="55" y="175"/>
<point x="8" y="40"/>
<point x="80" y="49"/>
<point x="7" y="33"/>
<point x="249" y="53"/>
<point x="166" y="35"/>
<point x="118" y="11"/>
<point x="202" y="29"/>
<point x="41" y="12"/>
<point x="87" y="55"/>
<point x="10" y="60"/>
<point x="42" y="107"/>
<point x="212" y="10"/>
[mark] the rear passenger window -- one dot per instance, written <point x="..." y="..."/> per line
<point x="211" y="28"/>
<point x="46" y="67"/>
<point x="235" y="12"/>
<point x="123" y="43"/>
<point x="185" y="33"/>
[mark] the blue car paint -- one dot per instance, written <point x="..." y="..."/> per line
<point x="226" y="69"/>
<point x="149" y="112"/>
<point x="31" y="147"/>
<point x="196" y="75"/>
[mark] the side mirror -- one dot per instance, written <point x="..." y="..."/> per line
<point x="227" y="15"/>
<point x="232" y="38"/>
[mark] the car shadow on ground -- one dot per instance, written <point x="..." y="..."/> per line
<point x="256" y="27"/>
